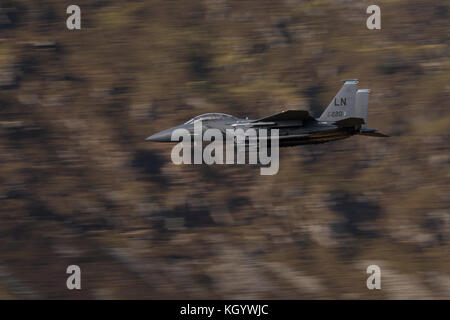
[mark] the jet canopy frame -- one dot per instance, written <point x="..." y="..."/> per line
<point x="211" y="116"/>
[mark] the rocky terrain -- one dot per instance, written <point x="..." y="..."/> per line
<point x="80" y="185"/>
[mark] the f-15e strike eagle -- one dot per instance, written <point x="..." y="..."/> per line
<point x="345" y="116"/>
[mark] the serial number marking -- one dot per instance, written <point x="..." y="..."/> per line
<point x="335" y="114"/>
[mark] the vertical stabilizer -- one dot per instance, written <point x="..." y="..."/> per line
<point x="343" y="104"/>
<point x="362" y="104"/>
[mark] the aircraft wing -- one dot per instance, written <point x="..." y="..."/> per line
<point x="349" y="122"/>
<point x="373" y="134"/>
<point x="288" y="115"/>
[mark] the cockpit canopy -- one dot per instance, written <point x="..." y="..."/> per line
<point x="210" y="116"/>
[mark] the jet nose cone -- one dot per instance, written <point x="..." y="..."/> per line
<point x="163" y="136"/>
<point x="151" y="138"/>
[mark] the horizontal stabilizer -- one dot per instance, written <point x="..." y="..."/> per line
<point x="372" y="133"/>
<point x="349" y="122"/>
<point x="298" y="115"/>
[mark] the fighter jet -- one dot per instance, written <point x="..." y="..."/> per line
<point x="345" y="116"/>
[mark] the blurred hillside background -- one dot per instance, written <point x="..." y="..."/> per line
<point x="80" y="185"/>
